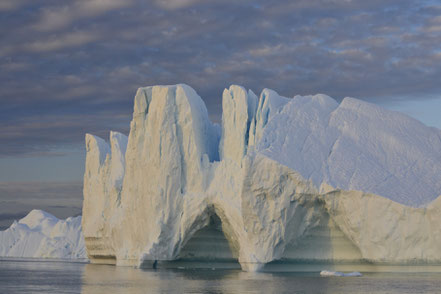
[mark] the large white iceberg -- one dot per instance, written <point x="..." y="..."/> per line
<point x="42" y="235"/>
<point x="281" y="180"/>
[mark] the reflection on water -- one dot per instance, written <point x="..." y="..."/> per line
<point x="62" y="277"/>
<point x="106" y="279"/>
<point x="40" y="277"/>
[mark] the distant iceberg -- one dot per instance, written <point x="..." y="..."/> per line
<point x="42" y="235"/>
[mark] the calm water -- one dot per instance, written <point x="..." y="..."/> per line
<point x="59" y="277"/>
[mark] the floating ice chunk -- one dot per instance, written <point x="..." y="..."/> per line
<point x="339" y="274"/>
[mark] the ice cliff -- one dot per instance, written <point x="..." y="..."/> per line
<point x="42" y="235"/>
<point x="284" y="179"/>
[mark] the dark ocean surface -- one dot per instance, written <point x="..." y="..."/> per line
<point x="19" y="276"/>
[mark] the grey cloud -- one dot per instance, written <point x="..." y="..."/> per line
<point x="61" y="16"/>
<point x="8" y="5"/>
<point x="6" y="219"/>
<point x="68" y="40"/>
<point x="35" y="136"/>
<point x="175" y="4"/>
<point x="62" y="199"/>
<point x="18" y="191"/>
<point x="74" y="67"/>
<point x="11" y="216"/>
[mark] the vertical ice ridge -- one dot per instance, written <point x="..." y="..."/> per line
<point x="97" y="148"/>
<point x="118" y="146"/>
<point x="102" y="185"/>
<point x="268" y="105"/>
<point x="239" y="108"/>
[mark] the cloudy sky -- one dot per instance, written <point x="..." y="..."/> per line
<point x="71" y="67"/>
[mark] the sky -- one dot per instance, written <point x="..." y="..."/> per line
<point x="72" y="67"/>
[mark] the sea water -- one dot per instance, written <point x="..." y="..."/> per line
<point x="29" y="276"/>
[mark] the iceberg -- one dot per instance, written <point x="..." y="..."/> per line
<point x="281" y="180"/>
<point x="42" y="235"/>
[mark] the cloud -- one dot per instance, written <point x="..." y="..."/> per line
<point x="59" y="17"/>
<point x="36" y="136"/>
<point x="7" y="5"/>
<point x="54" y="18"/>
<point x="15" y="66"/>
<point x="68" y="40"/>
<point x="175" y="4"/>
<point x="73" y="67"/>
<point x="11" y="216"/>
<point x="63" y="199"/>
<point x="94" y="7"/>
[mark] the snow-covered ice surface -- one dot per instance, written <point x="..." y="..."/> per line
<point x="42" y="235"/>
<point x="326" y="273"/>
<point x="357" y="146"/>
<point x="285" y="179"/>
